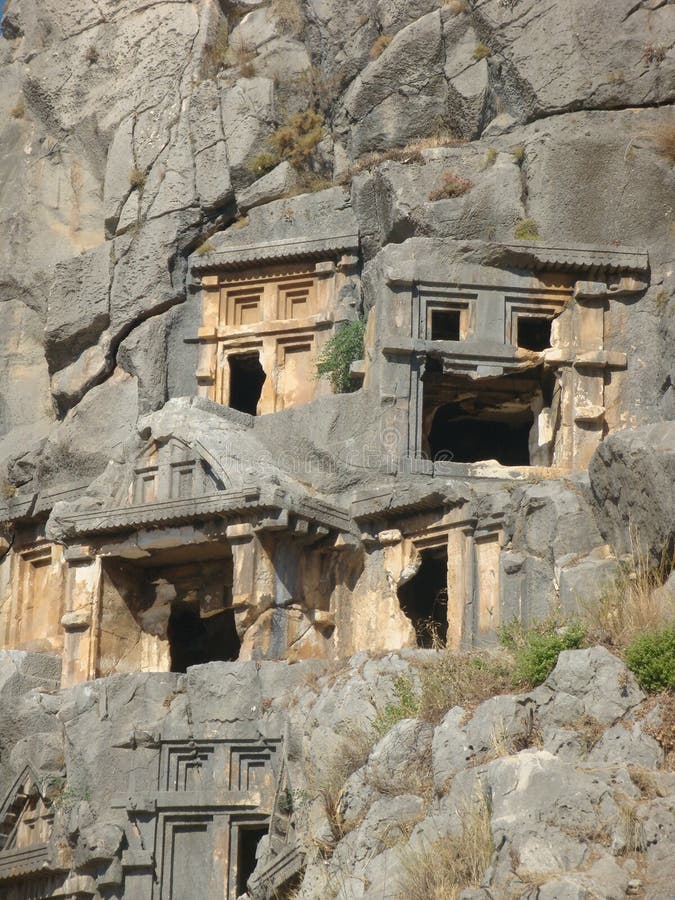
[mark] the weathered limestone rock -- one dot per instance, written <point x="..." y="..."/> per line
<point x="607" y="696"/>
<point x="179" y="491"/>
<point x="632" y="477"/>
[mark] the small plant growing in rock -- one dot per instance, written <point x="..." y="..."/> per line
<point x="663" y="730"/>
<point x="490" y="157"/>
<point x="537" y="649"/>
<point x="339" y="352"/>
<point x="526" y="230"/>
<point x="206" y="247"/>
<point x="296" y="141"/>
<point x="214" y="54"/>
<point x="654" y="53"/>
<point x="91" y="55"/>
<point x="457" y="6"/>
<point x="137" y="177"/>
<point x="406" y="706"/>
<point x="380" y="45"/>
<point x="7" y="490"/>
<point x="482" y="51"/>
<point x="518" y="153"/>
<point x="263" y="163"/>
<point x="651" y="658"/>
<point x="451" y="186"/>
<point x="18" y="111"/>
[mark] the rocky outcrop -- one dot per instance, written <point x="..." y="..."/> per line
<point x="568" y="779"/>
<point x="632" y="477"/>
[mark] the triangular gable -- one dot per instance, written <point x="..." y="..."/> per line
<point x="171" y="470"/>
<point x="25" y="819"/>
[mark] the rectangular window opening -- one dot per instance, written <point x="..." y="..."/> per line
<point x="445" y="324"/>
<point x="534" y="332"/>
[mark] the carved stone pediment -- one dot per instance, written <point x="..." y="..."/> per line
<point x="171" y="470"/>
<point x="25" y="832"/>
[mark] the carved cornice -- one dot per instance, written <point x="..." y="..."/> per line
<point x="222" y="504"/>
<point x="245" y="255"/>
<point x="571" y="257"/>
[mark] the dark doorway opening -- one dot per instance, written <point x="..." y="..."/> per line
<point x="458" y="437"/>
<point x="246" y="382"/>
<point x="424" y="599"/>
<point x="249" y="838"/>
<point x="195" y="638"/>
<point x="445" y="324"/>
<point x="534" y="332"/>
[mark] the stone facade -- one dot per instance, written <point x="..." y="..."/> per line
<point x="195" y="198"/>
<point x="200" y="544"/>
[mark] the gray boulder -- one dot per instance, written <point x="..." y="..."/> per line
<point x="632" y="476"/>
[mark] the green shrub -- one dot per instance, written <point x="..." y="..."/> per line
<point x="406" y="706"/>
<point x="651" y="657"/>
<point x="337" y="355"/>
<point x="537" y="649"/>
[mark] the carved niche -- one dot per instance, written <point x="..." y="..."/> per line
<point x="196" y="835"/>
<point x="262" y="331"/>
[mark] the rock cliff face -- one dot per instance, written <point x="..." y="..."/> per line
<point x="561" y="792"/>
<point x="463" y="210"/>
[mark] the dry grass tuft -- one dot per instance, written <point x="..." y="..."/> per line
<point x="457" y="6"/>
<point x="242" y="55"/>
<point x="411" y="153"/>
<point x="137" y="177"/>
<point x="664" y="732"/>
<point x="482" y="51"/>
<point x="215" y="52"/>
<point x="442" y="870"/>
<point x="526" y="230"/>
<point x="518" y="153"/>
<point x="296" y="141"/>
<point x="328" y="783"/>
<point x="380" y="45"/>
<point x="628" y="605"/>
<point x="663" y="138"/>
<point x="632" y="829"/>
<point x="288" y="14"/>
<point x="590" y="731"/>
<point x="462" y="679"/>
<point x="451" y="186"/>
<point x="644" y="781"/>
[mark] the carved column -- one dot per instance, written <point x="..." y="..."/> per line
<point x="487" y="546"/>
<point x="81" y="617"/>
<point x="253" y="577"/>
<point x="460" y="584"/>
